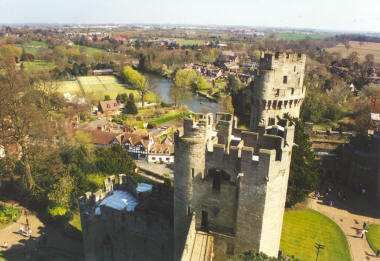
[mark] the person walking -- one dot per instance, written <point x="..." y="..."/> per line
<point x="21" y="229"/>
<point x="5" y="244"/>
<point x="364" y="225"/>
<point x="363" y="233"/>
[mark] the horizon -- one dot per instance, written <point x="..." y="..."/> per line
<point x="352" y="17"/>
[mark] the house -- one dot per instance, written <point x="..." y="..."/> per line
<point x="101" y="138"/>
<point x="228" y="56"/>
<point x="162" y="152"/>
<point x="144" y="146"/>
<point x="103" y="72"/>
<point x="136" y="143"/>
<point x="109" y="107"/>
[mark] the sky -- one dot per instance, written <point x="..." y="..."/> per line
<point x="340" y="15"/>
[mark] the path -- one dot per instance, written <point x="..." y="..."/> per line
<point x="56" y="240"/>
<point x="350" y="216"/>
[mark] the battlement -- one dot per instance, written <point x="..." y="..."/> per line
<point x="198" y="125"/>
<point x="270" y="61"/>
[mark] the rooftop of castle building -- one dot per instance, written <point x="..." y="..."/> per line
<point x="122" y="200"/>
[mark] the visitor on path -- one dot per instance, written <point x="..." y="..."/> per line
<point x="318" y="195"/>
<point x="30" y="232"/>
<point x="331" y="203"/>
<point x="363" y="233"/>
<point x="364" y="225"/>
<point x="21" y="229"/>
<point x="5" y="244"/>
<point x="44" y="238"/>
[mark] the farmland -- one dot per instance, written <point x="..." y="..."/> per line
<point x="300" y="36"/>
<point x="362" y="48"/>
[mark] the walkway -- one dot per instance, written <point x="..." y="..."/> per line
<point x="56" y="240"/>
<point x="350" y="215"/>
<point x="202" y="248"/>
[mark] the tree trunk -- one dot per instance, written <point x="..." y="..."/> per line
<point x="28" y="179"/>
<point x="142" y="100"/>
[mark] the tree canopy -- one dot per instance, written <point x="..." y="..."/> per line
<point x="136" y="80"/>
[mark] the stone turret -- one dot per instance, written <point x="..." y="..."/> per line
<point x="190" y="159"/>
<point x="277" y="88"/>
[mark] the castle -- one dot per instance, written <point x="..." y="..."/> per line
<point x="229" y="183"/>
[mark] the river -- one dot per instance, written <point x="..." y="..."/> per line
<point x="196" y="103"/>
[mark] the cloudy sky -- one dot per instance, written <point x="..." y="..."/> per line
<point x="348" y="15"/>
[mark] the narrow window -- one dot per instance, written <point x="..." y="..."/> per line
<point x="292" y="91"/>
<point x="278" y="92"/>
<point x="230" y="249"/>
<point x="192" y="172"/>
<point x="285" y="80"/>
<point x="294" y="68"/>
<point x="216" y="182"/>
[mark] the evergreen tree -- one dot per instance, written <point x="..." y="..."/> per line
<point x="130" y="106"/>
<point x="304" y="173"/>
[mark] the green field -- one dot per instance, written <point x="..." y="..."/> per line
<point x="36" y="66"/>
<point x="303" y="228"/>
<point x="184" y="41"/>
<point x="300" y="36"/>
<point x="95" y="87"/>
<point x="33" y="46"/>
<point x="373" y="237"/>
<point x="89" y="50"/>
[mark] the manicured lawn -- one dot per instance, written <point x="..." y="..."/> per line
<point x="302" y="229"/>
<point x="300" y="36"/>
<point x="373" y="237"/>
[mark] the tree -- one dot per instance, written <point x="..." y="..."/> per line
<point x="185" y="78"/>
<point x="130" y="106"/>
<point x="24" y="112"/>
<point x="137" y="80"/>
<point x="107" y="97"/>
<point x="304" y="173"/>
<point x="253" y="255"/>
<point x="352" y="58"/>
<point x="122" y="98"/>
<point x="233" y="84"/>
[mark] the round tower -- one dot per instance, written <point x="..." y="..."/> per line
<point x="190" y="156"/>
<point x="277" y="88"/>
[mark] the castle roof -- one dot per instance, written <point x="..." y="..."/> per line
<point x="119" y="200"/>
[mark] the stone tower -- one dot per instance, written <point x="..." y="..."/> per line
<point x="277" y="88"/>
<point x="231" y="183"/>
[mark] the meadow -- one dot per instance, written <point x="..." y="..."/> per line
<point x="362" y="48"/>
<point x="302" y="229"/>
<point x="300" y="36"/>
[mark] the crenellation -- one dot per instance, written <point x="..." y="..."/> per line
<point x="242" y="191"/>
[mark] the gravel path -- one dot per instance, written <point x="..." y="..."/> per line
<point x="350" y="215"/>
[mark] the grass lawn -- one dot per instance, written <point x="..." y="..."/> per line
<point x="90" y="50"/>
<point x="300" y="36"/>
<point x="303" y="228"/>
<point x="373" y="237"/>
<point x="76" y="221"/>
<point x="36" y="66"/>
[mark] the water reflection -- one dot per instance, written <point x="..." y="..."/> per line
<point x="194" y="102"/>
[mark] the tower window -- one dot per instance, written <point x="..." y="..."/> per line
<point x="285" y="80"/>
<point x="278" y="92"/>
<point x="294" y="68"/>
<point x="292" y="91"/>
<point x="192" y="172"/>
<point x="230" y="249"/>
<point x="216" y="182"/>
